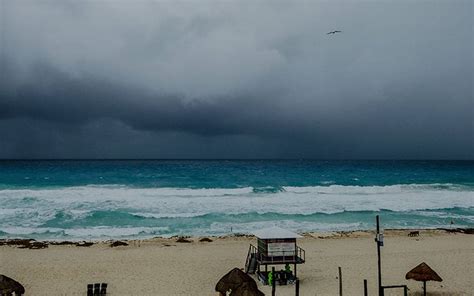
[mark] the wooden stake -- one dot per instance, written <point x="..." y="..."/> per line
<point x="379" y="263"/>
<point x="273" y="281"/>
<point x="340" y="281"/>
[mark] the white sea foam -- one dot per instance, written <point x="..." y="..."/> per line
<point x="100" y="232"/>
<point x="169" y="215"/>
<point x="111" y="191"/>
<point x="297" y="226"/>
<point x="159" y="202"/>
<point x="399" y="188"/>
<point x="446" y="215"/>
<point x="32" y="209"/>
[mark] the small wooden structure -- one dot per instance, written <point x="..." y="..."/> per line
<point x="275" y="246"/>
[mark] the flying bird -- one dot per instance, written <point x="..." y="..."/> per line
<point x="334" y="32"/>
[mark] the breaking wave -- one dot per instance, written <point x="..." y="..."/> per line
<point x="113" y="211"/>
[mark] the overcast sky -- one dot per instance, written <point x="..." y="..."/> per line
<point x="236" y="79"/>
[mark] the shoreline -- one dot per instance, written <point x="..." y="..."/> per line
<point x="12" y="241"/>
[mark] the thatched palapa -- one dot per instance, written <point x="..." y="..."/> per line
<point x="239" y="283"/>
<point x="9" y="286"/>
<point x="423" y="273"/>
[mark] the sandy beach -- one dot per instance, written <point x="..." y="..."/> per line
<point x="162" y="266"/>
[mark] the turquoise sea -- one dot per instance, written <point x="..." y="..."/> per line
<point x="73" y="200"/>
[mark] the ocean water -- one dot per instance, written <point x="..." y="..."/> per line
<point x="74" y="200"/>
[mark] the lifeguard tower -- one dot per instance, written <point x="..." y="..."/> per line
<point x="275" y="246"/>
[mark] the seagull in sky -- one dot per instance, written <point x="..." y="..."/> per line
<point x="334" y="32"/>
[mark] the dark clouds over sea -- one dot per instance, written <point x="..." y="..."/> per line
<point x="213" y="79"/>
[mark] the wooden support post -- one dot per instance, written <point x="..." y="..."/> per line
<point x="379" y="263"/>
<point x="273" y="281"/>
<point x="366" y="292"/>
<point x="297" y="287"/>
<point x="405" y="290"/>
<point x="340" y="281"/>
<point x="424" y="288"/>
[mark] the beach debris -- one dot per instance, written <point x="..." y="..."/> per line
<point x="423" y="273"/>
<point x="183" y="240"/>
<point x="63" y="243"/>
<point x="469" y="230"/>
<point x="34" y="245"/>
<point x="325" y="235"/>
<point x="414" y="233"/>
<point x="8" y="286"/>
<point x="459" y="230"/>
<point x="451" y="230"/>
<point x="343" y="233"/>
<point x="16" y="242"/>
<point x="69" y="243"/>
<point x="238" y="234"/>
<point x="24" y="243"/>
<point x="239" y="283"/>
<point x="205" y="240"/>
<point x="118" y="244"/>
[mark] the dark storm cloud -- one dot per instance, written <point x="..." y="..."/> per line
<point x="219" y="79"/>
<point x="56" y="97"/>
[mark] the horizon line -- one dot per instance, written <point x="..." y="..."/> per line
<point x="233" y="159"/>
